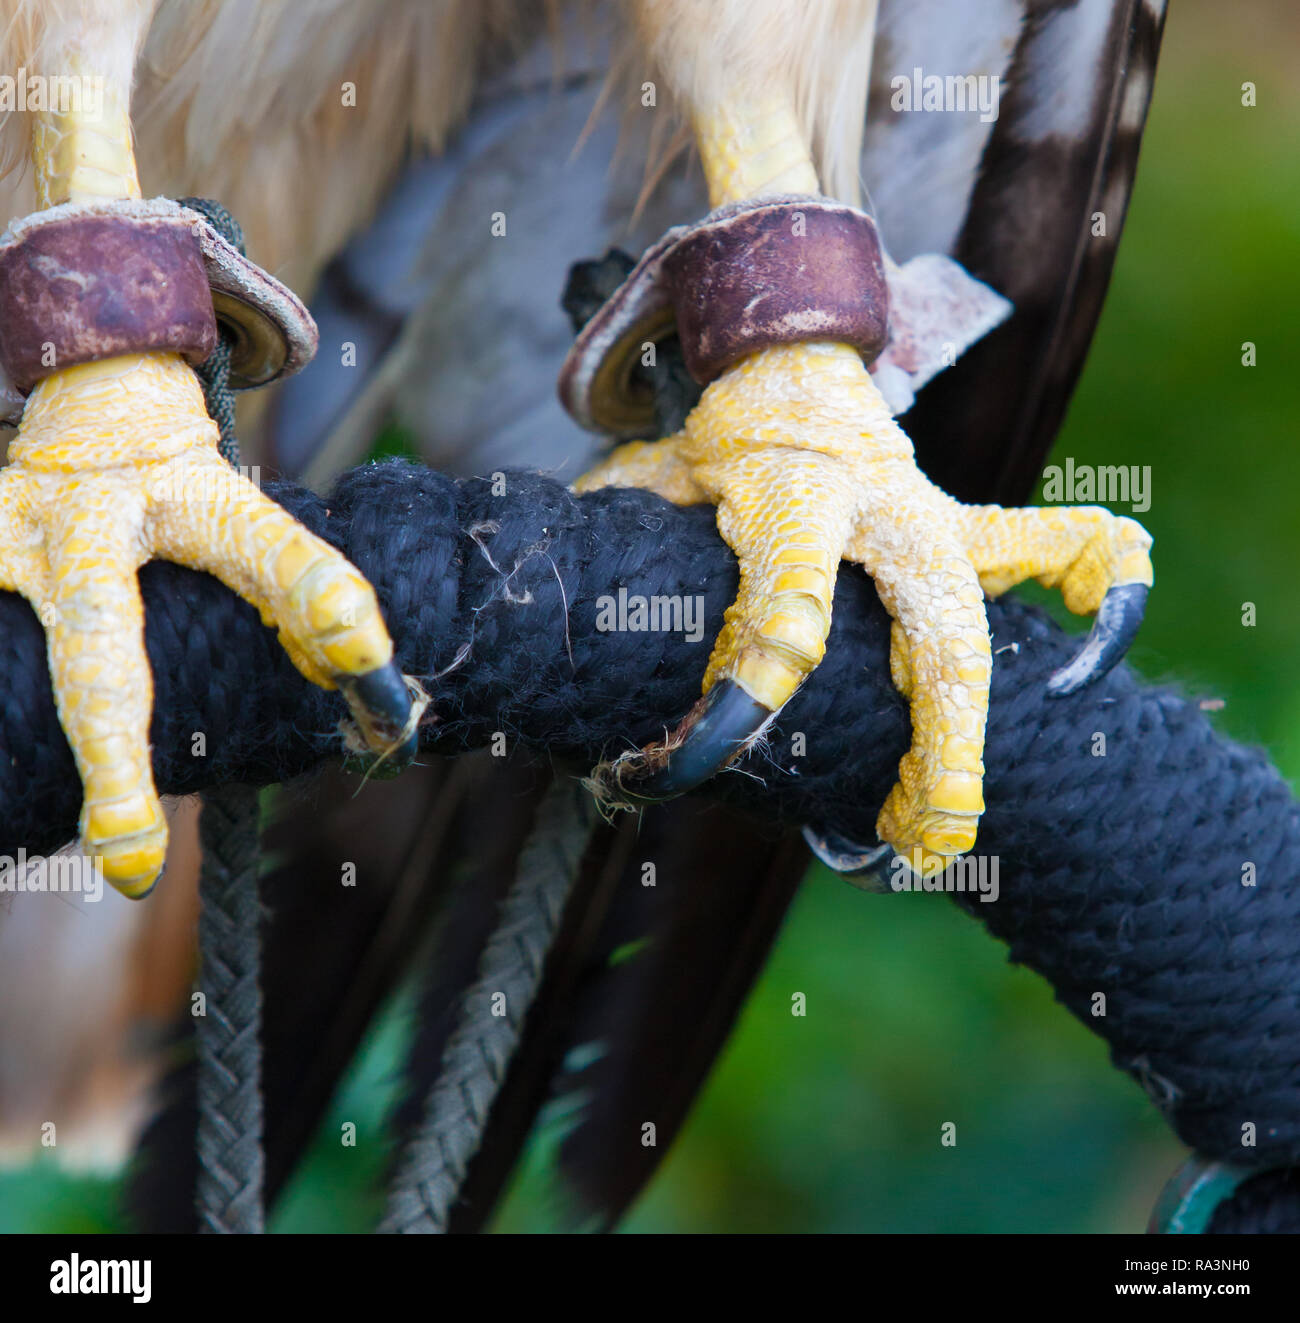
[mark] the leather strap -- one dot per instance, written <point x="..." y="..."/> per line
<point x="754" y="276"/>
<point x="85" y="281"/>
<point x="78" y="288"/>
<point x="749" y="275"/>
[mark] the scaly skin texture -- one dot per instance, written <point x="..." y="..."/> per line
<point x="797" y="449"/>
<point x="83" y="157"/>
<point x="753" y="149"/>
<point x="116" y="462"/>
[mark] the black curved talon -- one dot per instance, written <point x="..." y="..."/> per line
<point x="153" y="886"/>
<point x="860" y="865"/>
<point x="1118" y="620"/>
<point x="715" y="731"/>
<point x="381" y="702"/>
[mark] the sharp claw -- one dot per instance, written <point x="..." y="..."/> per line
<point x="149" y="889"/>
<point x="139" y="890"/>
<point x="716" y="730"/>
<point x="857" y="864"/>
<point x="383" y="705"/>
<point x="1117" y="622"/>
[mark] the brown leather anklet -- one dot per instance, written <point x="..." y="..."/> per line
<point x="749" y="275"/>
<point x="81" y="282"/>
<point x="783" y="272"/>
<point x="775" y="271"/>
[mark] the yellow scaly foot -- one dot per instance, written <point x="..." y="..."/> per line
<point x="115" y="462"/>
<point x="797" y="449"/>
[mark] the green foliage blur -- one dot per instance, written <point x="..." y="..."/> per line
<point x="831" y="1121"/>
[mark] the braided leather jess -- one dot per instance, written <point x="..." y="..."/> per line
<point x="231" y="1160"/>
<point x="1119" y="874"/>
<point x="431" y="1169"/>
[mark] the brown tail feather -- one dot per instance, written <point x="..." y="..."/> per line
<point x="983" y="428"/>
<point x="700" y="936"/>
<point x="723" y="886"/>
<point x="453" y="966"/>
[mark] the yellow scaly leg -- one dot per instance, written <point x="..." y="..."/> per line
<point x="116" y="461"/>
<point x="796" y="447"/>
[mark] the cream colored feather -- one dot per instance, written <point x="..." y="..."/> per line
<point x="248" y="101"/>
<point x="819" y="54"/>
<point x="251" y="102"/>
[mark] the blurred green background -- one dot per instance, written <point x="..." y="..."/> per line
<point x="831" y="1122"/>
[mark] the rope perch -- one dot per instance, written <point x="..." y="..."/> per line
<point x="1119" y="874"/>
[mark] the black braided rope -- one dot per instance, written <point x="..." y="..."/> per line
<point x="228" y="1197"/>
<point x="490" y="1019"/>
<point x="1119" y="874"/>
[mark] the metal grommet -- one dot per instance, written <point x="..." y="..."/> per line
<point x="622" y="399"/>
<point x="258" y="348"/>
